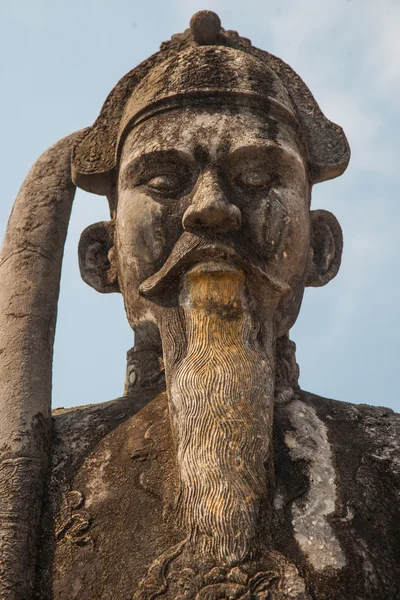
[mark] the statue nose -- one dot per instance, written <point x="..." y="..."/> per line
<point x="211" y="210"/>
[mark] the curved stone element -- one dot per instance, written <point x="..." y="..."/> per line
<point x="206" y="27"/>
<point x="30" y="269"/>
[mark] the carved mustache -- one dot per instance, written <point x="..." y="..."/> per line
<point x="191" y="249"/>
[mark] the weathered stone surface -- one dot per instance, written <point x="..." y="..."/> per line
<point x="95" y="157"/>
<point x="336" y="503"/>
<point x="215" y="476"/>
<point x="30" y="267"/>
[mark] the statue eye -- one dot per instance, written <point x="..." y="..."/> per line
<point x="254" y="179"/>
<point x="167" y="183"/>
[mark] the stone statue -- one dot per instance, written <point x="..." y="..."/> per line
<point x="214" y="476"/>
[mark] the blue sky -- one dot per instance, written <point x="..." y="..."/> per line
<point x="61" y="58"/>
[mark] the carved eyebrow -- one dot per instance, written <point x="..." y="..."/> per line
<point x="267" y="148"/>
<point x="155" y="157"/>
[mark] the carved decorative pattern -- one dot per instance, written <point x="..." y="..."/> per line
<point x="150" y="453"/>
<point x="17" y="489"/>
<point x="74" y="522"/>
<point x="232" y="584"/>
<point x="179" y="575"/>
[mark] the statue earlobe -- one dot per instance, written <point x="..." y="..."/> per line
<point x="97" y="259"/>
<point x="326" y="245"/>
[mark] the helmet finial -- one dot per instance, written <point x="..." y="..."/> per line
<point x="206" y="27"/>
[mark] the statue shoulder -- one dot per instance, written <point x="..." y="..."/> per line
<point x="365" y="441"/>
<point x="357" y="434"/>
<point x="77" y="430"/>
<point x="340" y="473"/>
<point x="377" y="425"/>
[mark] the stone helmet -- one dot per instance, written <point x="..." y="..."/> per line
<point x="206" y="61"/>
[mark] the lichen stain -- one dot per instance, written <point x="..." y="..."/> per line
<point x="313" y="533"/>
<point x="97" y="489"/>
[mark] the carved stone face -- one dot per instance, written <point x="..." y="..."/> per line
<point x="229" y="176"/>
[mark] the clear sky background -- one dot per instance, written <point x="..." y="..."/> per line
<point x="60" y="59"/>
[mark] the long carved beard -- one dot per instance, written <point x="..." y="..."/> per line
<point x="221" y="385"/>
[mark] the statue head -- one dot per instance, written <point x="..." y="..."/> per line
<point x="208" y="152"/>
<point x="210" y="147"/>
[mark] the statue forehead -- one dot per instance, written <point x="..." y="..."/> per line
<point x="218" y="130"/>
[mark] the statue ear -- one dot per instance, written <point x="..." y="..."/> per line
<point x="325" y="248"/>
<point x="97" y="260"/>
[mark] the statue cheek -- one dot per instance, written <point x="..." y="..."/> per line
<point x="152" y="229"/>
<point x="141" y="234"/>
<point x="288" y="230"/>
<point x="268" y="223"/>
<point x="256" y="222"/>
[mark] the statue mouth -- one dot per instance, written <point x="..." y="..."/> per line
<point x="191" y="250"/>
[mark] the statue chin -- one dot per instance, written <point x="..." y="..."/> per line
<point x="215" y="288"/>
